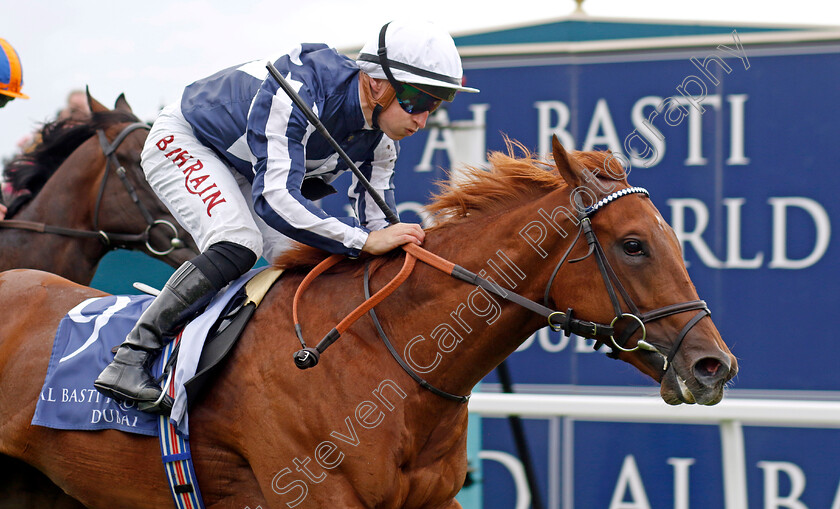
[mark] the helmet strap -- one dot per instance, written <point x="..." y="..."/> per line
<point x="382" y="53"/>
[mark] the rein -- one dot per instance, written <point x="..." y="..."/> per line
<point x="559" y="321"/>
<point x="108" y="239"/>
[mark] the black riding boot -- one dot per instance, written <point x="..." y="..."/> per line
<point x="128" y="378"/>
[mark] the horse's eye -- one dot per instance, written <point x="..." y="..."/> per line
<point x="633" y="247"/>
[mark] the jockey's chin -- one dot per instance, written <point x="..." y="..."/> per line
<point x="397" y="124"/>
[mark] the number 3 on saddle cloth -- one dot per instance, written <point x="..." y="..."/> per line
<point x="84" y="345"/>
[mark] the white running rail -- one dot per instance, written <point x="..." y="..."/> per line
<point x="730" y="414"/>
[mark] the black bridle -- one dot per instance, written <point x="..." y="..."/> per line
<point x="112" y="240"/>
<point x="613" y="285"/>
<point x="565" y="321"/>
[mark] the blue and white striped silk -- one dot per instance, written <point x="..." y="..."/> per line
<point x="243" y="114"/>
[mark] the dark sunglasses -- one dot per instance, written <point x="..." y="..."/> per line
<point x="5" y="99"/>
<point x="413" y="100"/>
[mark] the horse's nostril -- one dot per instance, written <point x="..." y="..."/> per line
<point x="707" y="368"/>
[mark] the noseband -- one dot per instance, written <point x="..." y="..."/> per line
<point x="560" y="321"/>
<point x="113" y="240"/>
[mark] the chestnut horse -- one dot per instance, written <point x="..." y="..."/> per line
<point x="78" y="202"/>
<point x="357" y="430"/>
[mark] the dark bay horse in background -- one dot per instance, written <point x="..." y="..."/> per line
<point x="87" y="201"/>
<point x="357" y="430"/>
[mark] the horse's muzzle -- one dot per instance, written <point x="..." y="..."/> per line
<point x="702" y="384"/>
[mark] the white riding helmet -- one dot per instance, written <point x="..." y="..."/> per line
<point x="419" y="53"/>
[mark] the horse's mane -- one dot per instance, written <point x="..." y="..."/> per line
<point x="301" y="257"/>
<point x="509" y="179"/>
<point x="491" y="189"/>
<point x="27" y="173"/>
<point x="478" y="190"/>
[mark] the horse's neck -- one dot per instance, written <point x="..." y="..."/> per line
<point x="66" y="200"/>
<point x="431" y="306"/>
<point x="68" y="196"/>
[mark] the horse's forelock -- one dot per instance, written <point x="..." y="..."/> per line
<point x="602" y="164"/>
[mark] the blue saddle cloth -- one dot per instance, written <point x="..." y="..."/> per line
<point x="83" y="347"/>
<point x="81" y="350"/>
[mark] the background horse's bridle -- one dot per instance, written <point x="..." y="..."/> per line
<point x="112" y="240"/>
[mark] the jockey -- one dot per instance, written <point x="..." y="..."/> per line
<point x="11" y="74"/>
<point x="241" y="168"/>
<point x="11" y="81"/>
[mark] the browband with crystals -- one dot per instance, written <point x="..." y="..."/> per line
<point x="610" y="197"/>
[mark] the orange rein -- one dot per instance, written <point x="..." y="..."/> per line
<point x="308" y="357"/>
<point x="317" y="271"/>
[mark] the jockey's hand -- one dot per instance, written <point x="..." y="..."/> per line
<point x="382" y="241"/>
<point x="2" y="211"/>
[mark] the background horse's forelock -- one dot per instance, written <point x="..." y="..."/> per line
<point x="55" y="142"/>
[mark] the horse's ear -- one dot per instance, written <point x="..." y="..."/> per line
<point x="570" y="169"/>
<point x="122" y="104"/>
<point x="95" y="106"/>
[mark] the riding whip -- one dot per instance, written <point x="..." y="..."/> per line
<point x="315" y="121"/>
